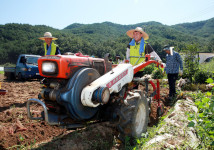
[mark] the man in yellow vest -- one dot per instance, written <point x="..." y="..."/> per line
<point x="136" y="48"/>
<point x="50" y="47"/>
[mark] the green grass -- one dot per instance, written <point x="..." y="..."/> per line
<point x="207" y="66"/>
<point x="1" y="72"/>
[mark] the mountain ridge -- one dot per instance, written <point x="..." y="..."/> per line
<point x="100" y="38"/>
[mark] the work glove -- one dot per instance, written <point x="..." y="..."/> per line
<point x="163" y="65"/>
<point x="180" y="72"/>
<point x="126" y="61"/>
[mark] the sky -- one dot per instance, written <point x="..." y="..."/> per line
<point x="62" y="13"/>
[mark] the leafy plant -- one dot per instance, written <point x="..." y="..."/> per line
<point x="157" y="74"/>
<point x="201" y="76"/>
<point x="148" y="69"/>
<point x="204" y="118"/>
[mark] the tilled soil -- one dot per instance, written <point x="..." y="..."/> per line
<point x="18" y="132"/>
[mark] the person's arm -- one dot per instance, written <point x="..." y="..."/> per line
<point x="180" y="61"/>
<point x="57" y="51"/>
<point x="128" y="54"/>
<point x="154" y="54"/>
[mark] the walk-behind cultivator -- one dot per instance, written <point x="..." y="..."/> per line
<point x="78" y="89"/>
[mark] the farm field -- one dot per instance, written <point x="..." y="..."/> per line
<point x="18" y="132"/>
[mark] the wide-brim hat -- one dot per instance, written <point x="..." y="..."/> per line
<point x="138" y="29"/>
<point x="48" y="35"/>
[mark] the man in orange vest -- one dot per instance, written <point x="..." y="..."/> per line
<point x="50" y="47"/>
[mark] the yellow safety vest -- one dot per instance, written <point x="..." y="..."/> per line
<point x="134" y="54"/>
<point x="53" y="48"/>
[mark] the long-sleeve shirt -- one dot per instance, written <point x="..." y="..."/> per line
<point x="173" y="63"/>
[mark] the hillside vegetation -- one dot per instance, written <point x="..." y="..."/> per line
<point x="100" y="38"/>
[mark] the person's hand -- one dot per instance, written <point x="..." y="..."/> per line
<point x="126" y="61"/>
<point x="163" y="65"/>
<point x="180" y="72"/>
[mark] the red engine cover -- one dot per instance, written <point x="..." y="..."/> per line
<point x="67" y="65"/>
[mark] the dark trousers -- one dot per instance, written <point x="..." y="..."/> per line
<point x="172" y="79"/>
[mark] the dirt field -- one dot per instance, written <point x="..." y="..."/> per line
<point x="17" y="131"/>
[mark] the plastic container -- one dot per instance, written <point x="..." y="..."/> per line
<point x="3" y="92"/>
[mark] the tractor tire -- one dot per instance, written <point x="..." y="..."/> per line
<point x="133" y="117"/>
<point x="19" y="77"/>
<point x="10" y="76"/>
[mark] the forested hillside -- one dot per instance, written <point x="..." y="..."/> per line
<point x="202" y="28"/>
<point x="100" y="38"/>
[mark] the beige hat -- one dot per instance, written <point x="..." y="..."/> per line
<point x="48" y="35"/>
<point x="138" y="29"/>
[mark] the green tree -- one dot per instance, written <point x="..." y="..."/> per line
<point x="191" y="63"/>
<point x="211" y="45"/>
